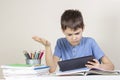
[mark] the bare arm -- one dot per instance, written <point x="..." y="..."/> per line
<point x="50" y="59"/>
<point x="106" y="64"/>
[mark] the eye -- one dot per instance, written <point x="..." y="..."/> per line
<point x="69" y="34"/>
<point x="77" y="33"/>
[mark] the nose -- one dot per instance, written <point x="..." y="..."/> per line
<point x="74" y="37"/>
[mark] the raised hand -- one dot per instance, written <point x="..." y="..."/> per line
<point x="41" y="40"/>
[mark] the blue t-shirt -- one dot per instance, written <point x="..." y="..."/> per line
<point x="87" y="47"/>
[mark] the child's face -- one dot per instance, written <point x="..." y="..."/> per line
<point x="73" y="36"/>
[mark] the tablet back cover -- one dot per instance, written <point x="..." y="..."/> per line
<point x="74" y="63"/>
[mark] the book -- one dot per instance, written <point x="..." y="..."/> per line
<point x="17" y="66"/>
<point x="24" y="70"/>
<point x="95" y="71"/>
<point x="86" y="71"/>
<point x="23" y="66"/>
<point x="72" y="72"/>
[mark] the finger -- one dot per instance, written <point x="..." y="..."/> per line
<point x="95" y="60"/>
<point x="91" y="63"/>
<point x="38" y="39"/>
<point x="35" y="37"/>
<point x="89" y="66"/>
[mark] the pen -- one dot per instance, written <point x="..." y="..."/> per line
<point x="41" y="67"/>
<point x="26" y="54"/>
<point x="41" y="54"/>
<point x="36" y="55"/>
<point x="32" y="55"/>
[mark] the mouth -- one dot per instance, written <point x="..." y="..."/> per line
<point x="75" y="42"/>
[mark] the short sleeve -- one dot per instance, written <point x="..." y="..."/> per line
<point x="96" y="50"/>
<point x="57" y="50"/>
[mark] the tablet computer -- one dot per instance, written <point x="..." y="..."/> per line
<point x="74" y="63"/>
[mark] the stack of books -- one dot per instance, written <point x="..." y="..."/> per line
<point x="23" y="70"/>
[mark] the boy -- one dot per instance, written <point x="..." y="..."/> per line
<point x="74" y="45"/>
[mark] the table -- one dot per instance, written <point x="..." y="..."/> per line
<point x="92" y="77"/>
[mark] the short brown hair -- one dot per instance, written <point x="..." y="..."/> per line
<point x="72" y="19"/>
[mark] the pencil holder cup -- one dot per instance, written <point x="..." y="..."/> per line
<point x="33" y="61"/>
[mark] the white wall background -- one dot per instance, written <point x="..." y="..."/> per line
<point x="22" y="19"/>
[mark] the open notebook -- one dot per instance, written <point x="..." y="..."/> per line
<point x="86" y="71"/>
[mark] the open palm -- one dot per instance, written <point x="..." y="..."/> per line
<point x="41" y="40"/>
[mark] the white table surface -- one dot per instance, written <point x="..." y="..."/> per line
<point x="92" y="77"/>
